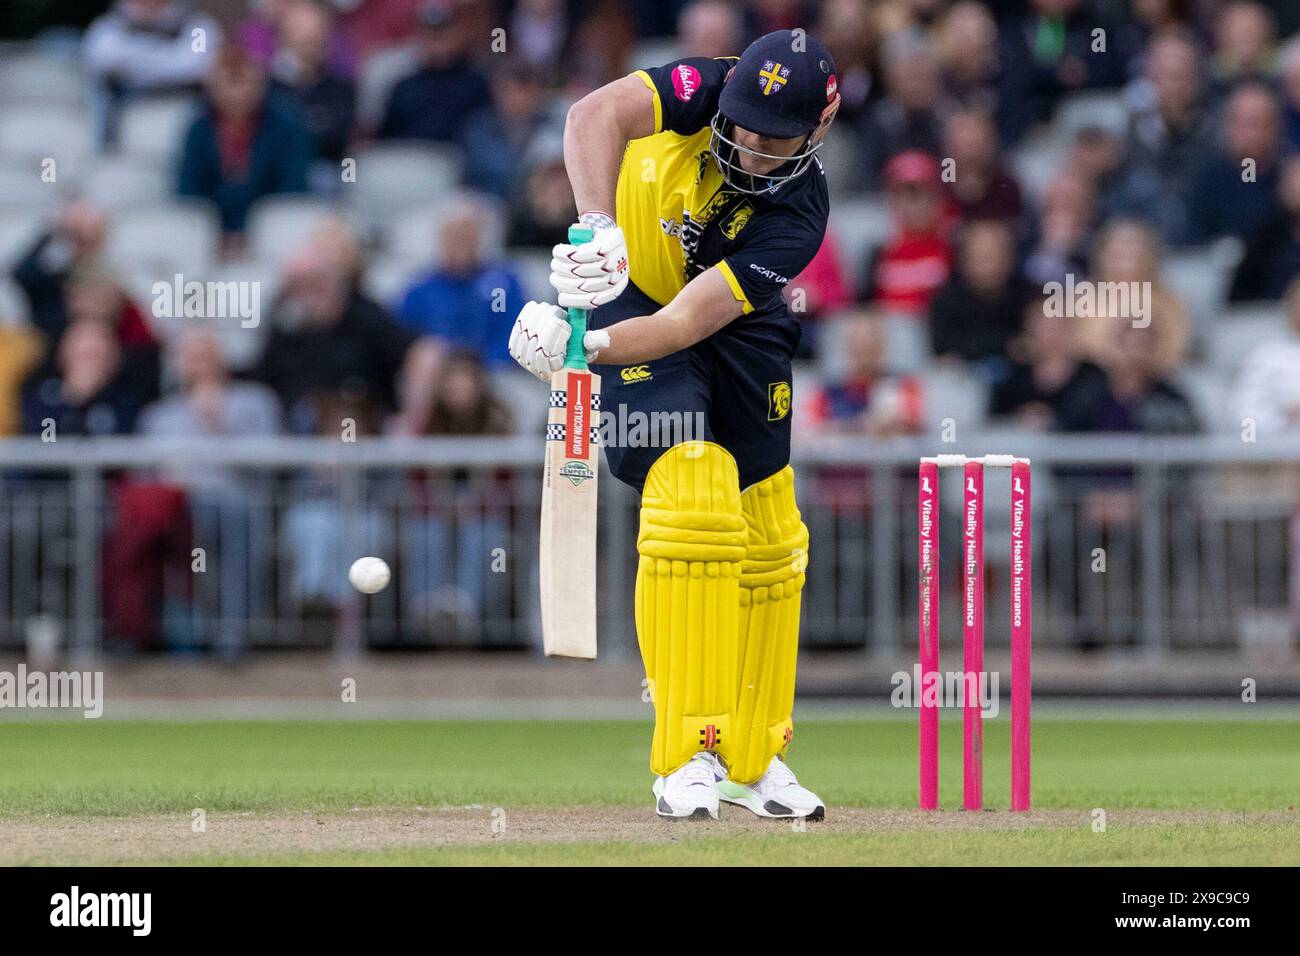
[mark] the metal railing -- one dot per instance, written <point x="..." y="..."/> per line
<point x="1159" y="544"/>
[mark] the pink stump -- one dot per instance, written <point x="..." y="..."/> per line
<point x="972" y="634"/>
<point x="928" y="562"/>
<point x="1022" y="591"/>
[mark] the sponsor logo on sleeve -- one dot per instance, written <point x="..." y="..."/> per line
<point x="686" y="80"/>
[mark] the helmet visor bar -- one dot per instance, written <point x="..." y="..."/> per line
<point x="727" y="152"/>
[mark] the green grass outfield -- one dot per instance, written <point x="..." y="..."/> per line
<point x="57" y="771"/>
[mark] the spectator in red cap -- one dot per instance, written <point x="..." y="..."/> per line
<point x="917" y="257"/>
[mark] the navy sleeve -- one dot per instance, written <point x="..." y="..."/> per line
<point x="776" y="247"/>
<point x="687" y="92"/>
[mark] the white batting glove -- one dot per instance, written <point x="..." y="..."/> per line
<point x="540" y="338"/>
<point x="589" y="275"/>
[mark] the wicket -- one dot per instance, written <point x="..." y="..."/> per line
<point x="973" y="625"/>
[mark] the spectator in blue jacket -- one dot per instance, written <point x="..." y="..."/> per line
<point x="246" y="145"/>
<point x="466" y="302"/>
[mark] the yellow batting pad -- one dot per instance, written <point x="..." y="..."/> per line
<point x="691" y="544"/>
<point x="771" y="586"/>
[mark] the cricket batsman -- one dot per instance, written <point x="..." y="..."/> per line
<point x="701" y="183"/>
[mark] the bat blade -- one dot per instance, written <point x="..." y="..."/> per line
<point x="567" y="569"/>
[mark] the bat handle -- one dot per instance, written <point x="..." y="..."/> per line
<point x="575" y="356"/>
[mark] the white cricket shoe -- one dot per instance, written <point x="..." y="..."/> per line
<point x="775" y="794"/>
<point x="688" y="792"/>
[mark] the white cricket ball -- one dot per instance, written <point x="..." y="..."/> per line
<point x="369" y="575"/>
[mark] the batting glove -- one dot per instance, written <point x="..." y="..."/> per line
<point x="589" y="275"/>
<point x="540" y="338"/>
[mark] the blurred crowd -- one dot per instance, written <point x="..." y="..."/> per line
<point x="946" y="103"/>
<point x="984" y="152"/>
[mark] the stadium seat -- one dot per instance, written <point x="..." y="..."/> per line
<point x="957" y="394"/>
<point x="831" y="361"/>
<point x="1208" y="388"/>
<point x="48" y="79"/>
<point x="379" y="73"/>
<point x="13" y="303"/>
<point x="31" y="133"/>
<point x="534" y="268"/>
<point x="387" y="278"/>
<point x="519" y="390"/>
<point x="156" y="126"/>
<point x="1240" y="331"/>
<point x="1091" y="108"/>
<point x="19" y="227"/>
<point x="1200" y="277"/>
<point x="118" y="181"/>
<point x="279" y="226"/>
<point x="393" y="177"/>
<point x="1036" y="161"/>
<point x="861" y="224"/>
<point x="808" y="385"/>
<point x="909" y="343"/>
<point x="841" y="155"/>
<point x="21" y="185"/>
<point x="411" y="234"/>
<point x="163" y="240"/>
<point x="653" y="52"/>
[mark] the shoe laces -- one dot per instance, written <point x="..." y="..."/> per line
<point x="698" y="771"/>
<point x="779" y="775"/>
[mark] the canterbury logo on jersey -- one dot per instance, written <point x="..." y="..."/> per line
<point x="635" y="373"/>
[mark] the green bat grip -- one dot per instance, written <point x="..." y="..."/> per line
<point x="575" y="357"/>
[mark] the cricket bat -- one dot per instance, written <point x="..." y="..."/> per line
<point x="567" y="570"/>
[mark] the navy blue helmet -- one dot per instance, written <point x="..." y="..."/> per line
<point x="780" y="88"/>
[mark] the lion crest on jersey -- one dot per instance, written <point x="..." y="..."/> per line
<point x="731" y="228"/>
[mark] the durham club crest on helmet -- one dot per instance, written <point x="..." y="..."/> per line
<point x="772" y="77"/>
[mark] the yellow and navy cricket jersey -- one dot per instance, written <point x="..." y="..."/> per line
<point x="680" y="218"/>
